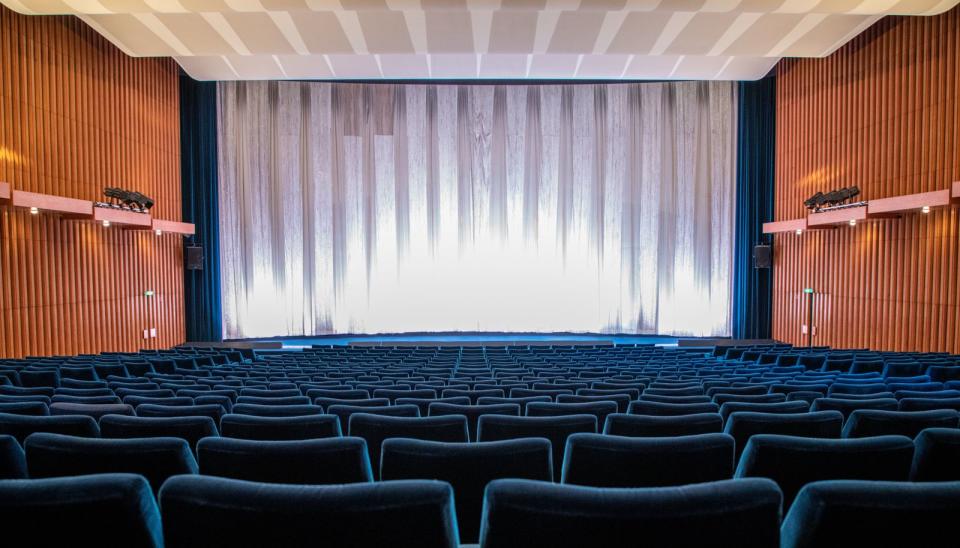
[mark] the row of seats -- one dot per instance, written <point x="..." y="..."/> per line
<point x="589" y="459"/>
<point x="219" y="512"/>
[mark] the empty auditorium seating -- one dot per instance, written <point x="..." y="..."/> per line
<point x="191" y="429"/>
<point x="872" y="513"/>
<point x="94" y="510"/>
<point x="743" y="513"/>
<point x="473" y="412"/>
<point x="601" y="460"/>
<point x="468" y="467"/>
<point x="744" y="424"/>
<point x="219" y="512"/>
<point x="794" y="461"/>
<point x="317" y="461"/>
<point x="619" y="424"/>
<point x="376" y="428"/>
<point x="13" y="462"/>
<point x="280" y="428"/>
<point x="21" y="426"/>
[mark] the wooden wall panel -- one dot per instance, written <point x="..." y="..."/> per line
<point x="881" y="113"/>
<point x="76" y="114"/>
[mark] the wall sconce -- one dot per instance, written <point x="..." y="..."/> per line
<point x="925" y="209"/>
<point x="106" y="223"/>
<point x="853" y="222"/>
<point x="34" y="211"/>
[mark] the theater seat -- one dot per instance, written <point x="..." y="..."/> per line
<point x="21" y="426"/>
<point x="873" y="513"/>
<point x="213" y="411"/>
<point x="320" y="461"/>
<point x="744" y="424"/>
<point x="794" y="461"/>
<point x="91" y="410"/>
<point x="191" y="429"/>
<point x="13" y="463"/>
<point x="782" y="407"/>
<point x="598" y="408"/>
<point x="877" y="422"/>
<point x="556" y="429"/>
<point x="847" y="406"/>
<point x="279" y="428"/>
<point x="219" y="512"/>
<point x="600" y="460"/>
<point x="276" y="410"/>
<point x="936" y="456"/>
<point x="473" y="412"/>
<point x="925" y="404"/>
<point x="376" y="428"/>
<point x="31" y="408"/>
<point x="468" y="467"/>
<point x="99" y="510"/>
<point x="56" y="455"/>
<point x="642" y="407"/>
<point x="524" y="513"/>
<point x="344" y="412"/>
<point x="641" y="426"/>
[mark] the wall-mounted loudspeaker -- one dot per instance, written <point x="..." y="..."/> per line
<point x="194" y="257"/>
<point x="762" y="256"/>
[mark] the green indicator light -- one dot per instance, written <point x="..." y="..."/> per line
<point x="148" y="293"/>
<point x="808" y="290"/>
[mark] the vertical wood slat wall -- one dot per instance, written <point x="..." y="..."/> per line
<point x="883" y="113"/>
<point x="76" y="115"/>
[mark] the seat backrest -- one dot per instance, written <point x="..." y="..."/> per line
<point x="13" y="462"/>
<point x="600" y="460"/>
<point x="280" y="428"/>
<point x="725" y="513"/>
<point x="31" y="408"/>
<point x="213" y="411"/>
<point x="794" y="461"/>
<point x="556" y="429"/>
<point x="468" y="467"/>
<point x="782" y="407"/>
<point x="212" y="511"/>
<point x="21" y="426"/>
<point x="872" y="513"/>
<point x="744" y="424"/>
<point x="598" y="408"/>
<point x="315" y="462"/>
<point x="473" y="412"/>
<point x="642" y="407"/>
<point x="191" y="429"/>
<point x="376" y="428"/>
<point x="924" y="404"/>
<point x="847" y="406"/>
<point x="284" y="410"/>
<point x="864" y="423"/>
<point x="56" y="455"/>
<point x="71" y="511"/>
<point x="95" y="410"/>
<point x="620" y="424"/>
<point x="937" y="452"/>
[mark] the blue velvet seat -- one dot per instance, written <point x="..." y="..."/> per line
<point x="57" y="455"/>
<point x="213" y="411"/>
<point x="21" y="426"/>
<point x="276" y="410"/>
<point x="675" y="399"/>
<point x="468" y="467"/>
<point x="936" y="456"/>
<point x="925" y="404"/>
<point x="220" y="512"/>
<point x="31" y="408"/>
<point x="524" y="513"/>
<point x="692" y="391"/>
<point x="339" y="393"/>
<point x="136" y="401"/>
<point x="794" y="461"/>
<point x="473" y="413"/>
<point x="268" y="393"/>
<point x="556" y="429"/>
<point x="873" y="513"/>
<point x="94" y="400"/>
<point x="284" y="400"/>
<point x="781" y="407"/>
<point x="630" y="393"/>
<point x="191" y="429"/>
<point x="721" y="399"/>
<point x="878" y="422"/>
<point x="279" y="428"/>
<point x="744" y="424"/>
<point x="601" y="460"/>
<point x="13" y="461"/>
<point x="598" y="408"/>
<point x="622" y="400"/>
<point x="527" y="393"/>
<point x="377" y="428"/>
<point x="423" y="404"/>
<point x="94" y="410"/>
<point x="642" y="407"/>
<point x="393" y="393"/>
<point x="344" y="412"/>
<point x="99" y="510"/>
<point x="318" y="461"/>
<point x="619" y="424"/>
<point x="847" y="405"/>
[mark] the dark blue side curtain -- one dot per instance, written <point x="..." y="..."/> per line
<point x="756" y="133"/>
<point x="198" y="171"/>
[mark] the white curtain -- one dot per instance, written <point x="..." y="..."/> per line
<point x="381" y="208"/>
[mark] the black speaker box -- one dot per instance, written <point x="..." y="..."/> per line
<point x="762" y="256"/>
<point x="194" y="258"/>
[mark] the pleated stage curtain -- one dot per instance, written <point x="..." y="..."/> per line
<point x="383" y="208"/>
<point x="756" y="151"/>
